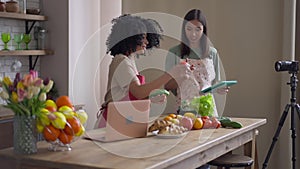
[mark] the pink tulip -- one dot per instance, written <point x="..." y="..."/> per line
<point x="27" y="80"/>
<point x="38" y="82"/>
<point x="34" y="74"/>
<point x="21" y="94"/>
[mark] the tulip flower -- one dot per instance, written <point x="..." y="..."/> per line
<point x="43" y="97"/>
<point x="7" y="81"/>
<point x="27" y="95"/>
<point x="4" y="95"/>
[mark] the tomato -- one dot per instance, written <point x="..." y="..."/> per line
<point x="215" y="122"/>
<point x="204" y="117"/>
<point x="207" y="123"/>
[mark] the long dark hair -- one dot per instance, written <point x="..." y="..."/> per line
<point x="194" y="14"/>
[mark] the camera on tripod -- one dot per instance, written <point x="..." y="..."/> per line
<point x="291" y="66"/>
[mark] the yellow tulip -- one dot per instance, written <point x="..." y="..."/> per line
<point x="14" y="97"/>
<point x="20" y="85"/>
<point x="7" y="81"/>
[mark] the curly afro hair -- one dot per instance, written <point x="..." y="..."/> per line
<point x="154" y="33"/>
<point x="127" y="33"/>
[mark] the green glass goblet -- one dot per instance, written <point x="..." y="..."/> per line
<point x="18" y="38"/>
<point x="26" y="40"/>
<point x="5" y="39"/>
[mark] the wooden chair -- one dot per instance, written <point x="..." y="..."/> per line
<point x="232" y="160"/>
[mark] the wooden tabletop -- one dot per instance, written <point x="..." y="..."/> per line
<point x="5" y="113"/>
<point x="196" y="148"/>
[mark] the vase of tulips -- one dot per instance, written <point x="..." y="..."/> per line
<point x="25" y="97"/>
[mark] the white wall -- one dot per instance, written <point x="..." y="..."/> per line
<point x="84" y="21"/>
<point x="87" y="51"/>
<point x="77" y="38"/>
<point x="250" y="35"/>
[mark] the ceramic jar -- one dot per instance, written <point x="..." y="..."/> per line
<point x="2" y="6"/>
<point x="12" y="6"/>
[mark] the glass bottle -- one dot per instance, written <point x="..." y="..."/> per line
<point x="42" y="38"/>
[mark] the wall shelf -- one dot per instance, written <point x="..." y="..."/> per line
<point x="25" y="52"/>
<point x="28" y="18"/>
<point x="21" y="16"/>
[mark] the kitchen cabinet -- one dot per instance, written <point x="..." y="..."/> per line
<point x="30" y="20"/>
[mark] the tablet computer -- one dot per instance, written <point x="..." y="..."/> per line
<point x="220" y="84"/>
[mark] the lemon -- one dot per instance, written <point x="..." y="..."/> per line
<point x="60" y="121"/>
<point x="82" y="116"/>
<point x="198" y="124"/>
<point x="81" y="131"/>
<point x="190" y="115"/>
<point x="51" y="103"/>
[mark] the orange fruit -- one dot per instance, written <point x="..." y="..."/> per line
<point x="65" y="138"/>
<point x="73" y="126"/>
<point x="63" y="101"/>
<point x="51" y="133"/>
<point x="50" y="108"/>
<point x="173" y="115"/>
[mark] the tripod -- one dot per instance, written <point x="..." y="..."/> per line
<point x="294" y="106"/>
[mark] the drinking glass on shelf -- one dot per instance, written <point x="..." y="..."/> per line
<point x="5" y="39"/>
<point x="26" y="40"/>
<point x="18" y="39"/>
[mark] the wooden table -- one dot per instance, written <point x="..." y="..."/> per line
<point x="196" y="148"/>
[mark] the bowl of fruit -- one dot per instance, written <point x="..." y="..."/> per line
<point x="60" y="123"/>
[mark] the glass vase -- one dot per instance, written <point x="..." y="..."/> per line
<point x="25" y="134"/>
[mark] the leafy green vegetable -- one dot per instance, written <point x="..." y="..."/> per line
<point x="204" y="104"/>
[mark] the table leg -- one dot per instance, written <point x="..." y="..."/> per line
<point x="250" y="150"/>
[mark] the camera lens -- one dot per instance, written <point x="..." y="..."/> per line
<point x="291" y="66"/>
<point x="278" y="66"/>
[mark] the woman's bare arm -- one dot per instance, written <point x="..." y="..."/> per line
<point x="143" y="91"/>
